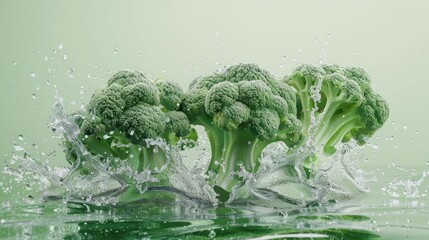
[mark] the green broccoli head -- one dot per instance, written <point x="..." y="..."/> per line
<point x="341" y="103"/>
<point x="243" y="109"/>
<point x="245" y="90"/>
<point x="108" y="105"/>
<point x="127" y="77"/>
<point x="123" y="117"/>
<point x="171" y="94"/>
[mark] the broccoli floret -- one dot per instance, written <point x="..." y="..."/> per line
<point x="341" y="103"/>
<point x="121" y="119"/>
<point x="242" y="110"/>
<point x="171" y="95"/>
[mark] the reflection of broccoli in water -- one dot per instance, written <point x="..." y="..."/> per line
<point x="131" y="109"/>
<point x="242" y="109"/>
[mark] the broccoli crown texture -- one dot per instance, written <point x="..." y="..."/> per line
<point x="342" y="103"/>
<point x="132" y="109"/>
<point x="243" y="109"/>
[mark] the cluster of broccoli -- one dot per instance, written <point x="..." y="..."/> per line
<point x="242" y="109"/>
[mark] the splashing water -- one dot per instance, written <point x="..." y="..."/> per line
<point x="280" y="179"/>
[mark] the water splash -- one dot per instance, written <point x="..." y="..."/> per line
<point x="280" y="179"/>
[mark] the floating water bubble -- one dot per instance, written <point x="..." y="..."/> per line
<point x="212" y="234"/>
<point x="14" y="63"/>
<point x="356" y="52"/>
<point x="322" y="57"/>
<point x="21" y="137"/>
<point x="73" y="102"/>
<point x="29" y="199"/>
<point x="65" y="56"/>
<point x="33" y="96"/>
<point x="116" y="50"/>
<point x="32" y="75"/>
<point x="71" y="73"/>
<point x="60" y="46"/>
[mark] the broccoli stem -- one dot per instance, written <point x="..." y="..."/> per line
<point x="99" y="146"/>
<point x="215" y="136"/>
<point x="152" y="158"/>
<point x="242" y="149"/>
<point x="303" y="90"/>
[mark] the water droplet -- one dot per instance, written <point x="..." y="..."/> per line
<point x="65" y="57"/>
<point x="139" y="55"/>
<point x="21" y="137"/>
<point x="356" y="52"/>
<point x="106" y="136"/>
<point x="405" y="127"/>
<point x="167" y="119"/>
<point x="212" y="234"/>
<point x="281" y="66"/>
<point x="60" y="46"/>
<point x="32" y="75"/>
<point x="71" y="73"/>
<point x="328" y="35"/>
<point x="116" y="50"/>
<point x="33" y="96"/>
<point x="389" y="138"/>
<point x="132" y="133"/>
<point x="15" y="63"/>
<point x="73" y="102"/>
<point x="322" y="57"/>
<point x="29" y="199"/>
<point x="2" y="221"/>
<point x="216" y="46"/>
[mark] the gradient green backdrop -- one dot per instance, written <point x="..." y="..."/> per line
<point x="83" y="42"/>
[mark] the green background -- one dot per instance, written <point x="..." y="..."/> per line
<point x="82" y="43"/>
